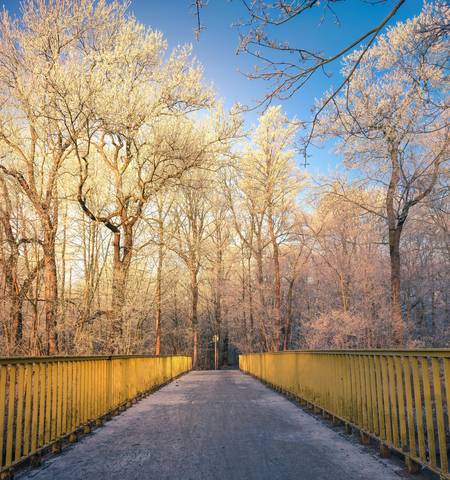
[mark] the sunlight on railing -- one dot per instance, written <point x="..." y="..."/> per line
<point x="401" y="398"/>
<point x="45" y="399"/>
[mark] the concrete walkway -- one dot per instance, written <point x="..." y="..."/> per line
<point x="214" y="426"/>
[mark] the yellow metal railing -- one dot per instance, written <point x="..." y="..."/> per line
<point x="44" y="399"/>
<point x="401" y="398"/>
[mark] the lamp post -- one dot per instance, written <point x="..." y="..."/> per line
<point x="216" y="352"/>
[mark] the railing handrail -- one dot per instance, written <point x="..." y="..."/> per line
<point x="437" y="352"/>
<point x="61" y="358"/>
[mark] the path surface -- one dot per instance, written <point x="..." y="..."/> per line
<point x="214" y="426"/>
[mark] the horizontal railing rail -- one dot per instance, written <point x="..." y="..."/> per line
<point x="401" y="398"/>
<point x="44" y="399"/>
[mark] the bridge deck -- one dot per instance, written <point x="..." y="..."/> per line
<point x="214" y="425"/>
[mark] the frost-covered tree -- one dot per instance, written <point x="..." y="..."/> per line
<point x="268" y="182"/>
<point x="391" y="123"/>
<point x="38" y="52"/>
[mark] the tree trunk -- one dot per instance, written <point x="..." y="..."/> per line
<point x="344" y="286"/>
<point x="396" y="305"/>
<point x="250" y="300"/>
<point x="194" y="316"/>
<point x="287" y="330"/>
<point x="15" y="310"/>
<point x="218" y="296"/>
<point x="277" y="283"/>
<point x="50" y="290"/>
<point x="395" y="231"/>
<point x="121" y="267"/>
<point x="158" y="292"/>
<point x="262" y="300"/>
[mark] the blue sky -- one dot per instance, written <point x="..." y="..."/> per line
<point x="216" y="48"/>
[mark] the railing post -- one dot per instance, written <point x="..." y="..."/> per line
<point x="109" y="383"/>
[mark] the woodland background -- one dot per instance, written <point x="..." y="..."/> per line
<point x="137" y="215"/>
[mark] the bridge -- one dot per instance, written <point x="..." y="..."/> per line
<point x="303" y="415"/>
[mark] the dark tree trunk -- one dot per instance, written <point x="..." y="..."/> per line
<point x="288" y="325"/>
<point x="50" y="289"/>
<point x="395" y="225"/>
<point x="277" y="282"/>
<point x="194" y="316"/>
<point x="158" y="293"/>
<point x="121" y="268"/>
<point x="396" y="305"/>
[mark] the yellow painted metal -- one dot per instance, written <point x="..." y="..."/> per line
<point x="400" y="397"/>
<point x="381" y="419"/>
<point x="19" y="414"/>
<point x="393" y="386"/>
<point x="439" y="413"/>
<point x="27" y="420"/>
<point x="418" y="409"/>
<point x="3" y="373"/>
<point x="45" y="398"/>
<point x="362" y="389"/>
<point x="409" y="407"/>
<point x="60" y="390"/>
<point x="64" y="394"/>
<point x="387" y="405"/>
<point x="11" y="416"/>
<point x="374" y="395"/>
<point x="399" y="387"/>
<point x="35" y="408"/>
<point x="368" y="398"/>
<point x="42" y="395"/>
<point x="48" y="401"/>
<point x="447" y="386"/>
<point x="54" y="402"/>
<point x="428" y="411"/>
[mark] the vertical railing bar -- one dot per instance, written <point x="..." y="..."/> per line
<point x="436" y="367"/>
<point x="393" y="397"/>
<point x="387" y="405"/>
<point x="380" y="397"/>
<point x="48" y="401"/>
<point x="83" y="392"/>
<point x="54" y="410"/>
<point x="409" y="407"/>
<point x="70" y="396"/>
<point x="447" y="386"/>
<point x="374" y="390"/>
<point x="78" y="390"/>
<point x="428" y="410"/>
<point x="64" y="374"/>
<point x="362" y="388"/>
<point x="3" y="372"/>
<point x="355" y="402"/>
<point x="60" y="393"/>
<point x="369" y="397"/>
<point x="42" y="402"/>
<point x="401" y="403"/>
<point x="11" y="405"/>
<point x="19" y="411"/>
<point x="419" y="411"/>
<point x="88" y="391"/>
<point x="27" y="419"/>
<point x="34" y="421"/>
